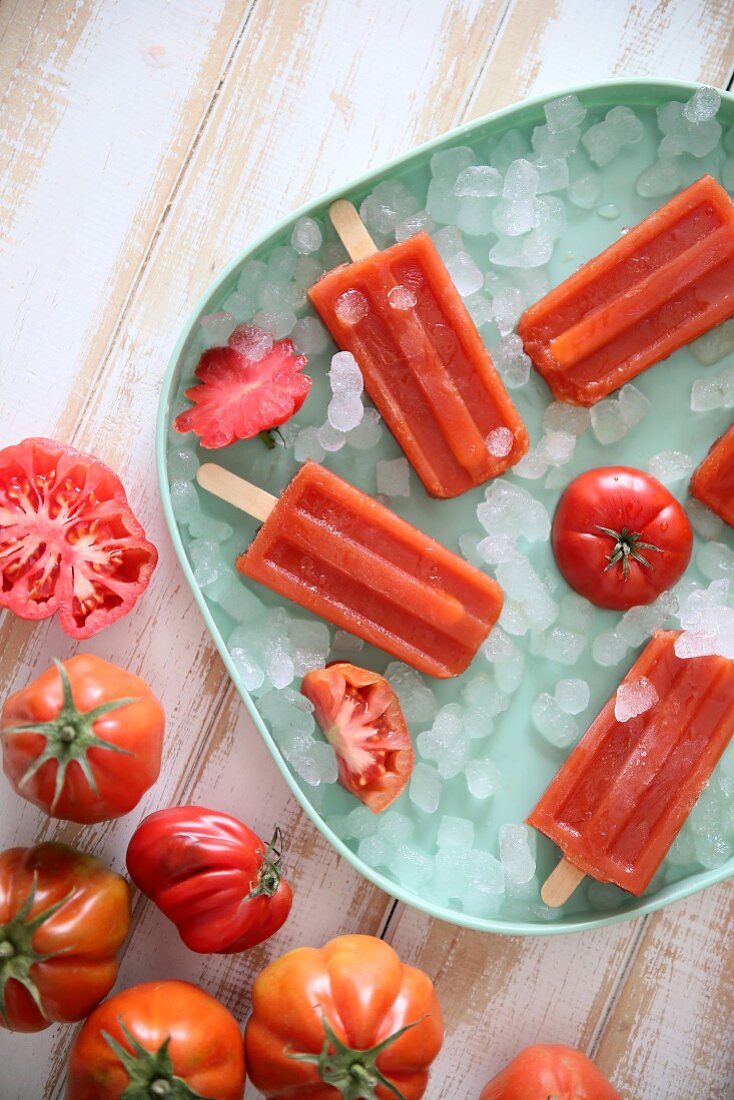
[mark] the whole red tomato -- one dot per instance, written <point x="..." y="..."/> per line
<point x="83" y="742"/>
<point x="212" y="876"/>
<point x="619" y="537"/>
<point x="544" y="1071"/>
<point x="362" y="720"/>
<point x="63" y="918"/>
<point x="161" y="1039"/>
<point x="349" y="1019"/>
<point x="70" y="542"/>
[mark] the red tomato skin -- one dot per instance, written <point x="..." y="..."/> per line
<point x="121" y="779"/>
<point x="549" y="1070"/>
<point x="361" y="986"/>
<point x="619" y="497"/>
<point x="198" y="866"/>
<point x="345" y="697"/>
<point x="50" y="463"/>
<point x="88" y="930"/>
<point x="206" y="1044"/>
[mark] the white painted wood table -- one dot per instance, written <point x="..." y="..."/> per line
<point x="143" y="143"/>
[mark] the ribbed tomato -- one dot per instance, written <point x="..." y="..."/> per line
<point x="63" y="918"/>
<point x="347" y="1020"/>
<point x="83" y="741"/>
<point x="69" y="542"/>
<point x="542" y="1072"/>
<point x="158" y="1041"/>
<point x="212" y="876"/>
<point x="362" y="720"/>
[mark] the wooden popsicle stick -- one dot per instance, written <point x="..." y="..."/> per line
<point x="235" y="490"/>
<point x="561" y="883"/>
<point x="352" y="230"/>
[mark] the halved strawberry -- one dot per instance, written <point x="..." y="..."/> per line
<point x="362" y="720"/>
<point x="239" y="397"/>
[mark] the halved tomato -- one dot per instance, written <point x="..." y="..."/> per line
<point x="69" y="543"/>
<point x="363" y="722"/>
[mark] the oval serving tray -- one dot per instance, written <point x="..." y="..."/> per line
<point x="525" y="760"/>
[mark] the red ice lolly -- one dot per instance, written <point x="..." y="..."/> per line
<point x="619" y="800"/>
<point x="424" y="364"/>
<point x="713" y="480"/>
<point x="334" y="550"/>
<point x="667" y="281"/>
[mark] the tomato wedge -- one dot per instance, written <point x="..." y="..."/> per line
<point x="619" y="537"/>
<point x="361" y="718"/>
<point x="69" y="543"/>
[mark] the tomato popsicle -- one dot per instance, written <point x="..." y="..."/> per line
<point x="618" y="801"/>
<point x="667" y="281"/>
<point x="424" y="364"/>
<point x="713" y="481"/>
<point x="342" y="555"/>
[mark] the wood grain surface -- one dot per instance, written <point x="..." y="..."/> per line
<point x="142" y="143"/>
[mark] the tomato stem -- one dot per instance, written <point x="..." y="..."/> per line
<point x="268" y="878"/>
<point x="627" y="544"/>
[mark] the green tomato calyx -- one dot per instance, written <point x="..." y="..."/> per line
<point x="150" y="1073"/>
<point x="17" y="953"/>
<point x="69" y="736"/>
<point x="353" y="1073"/>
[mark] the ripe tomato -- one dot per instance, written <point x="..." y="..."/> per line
<point x="69" y="542"/>
<point x="619" y="537"/>
<point x="159" y="1039"/>
<point x="63" y="918"/>
<point x="83" y="742"/>
<point x="212" y="876"/>
<point x="349" y="1019"/>
<point x="544" y="1071"/>
<point x="361" y="718"/>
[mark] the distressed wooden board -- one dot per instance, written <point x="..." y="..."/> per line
<point x="271" y="103"/>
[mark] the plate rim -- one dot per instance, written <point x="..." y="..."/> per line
<point x="678" y="891"/>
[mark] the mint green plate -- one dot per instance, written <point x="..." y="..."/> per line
<point x="526" y="761"/>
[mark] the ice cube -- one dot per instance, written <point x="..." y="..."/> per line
<point x="715" y="344"/>
<point x="634" y="697"/>
<point x="572" y="696"/>
<point x="509" y="672"/>
<point x="417" y="700"/>
<point x="561" y="144"/>
<point x="395" y="827"/>
<point x="345" y="411"/>
<point x="387" y="206"/>
<point x="624" y="124"/>
<point x="507" y="307"/>
<point x="251" y="276"/>
<point x="486" y="883"/>
<point x="552" y="723"/>
<point x="333" y="253"/>
<point x="516" y="853"/>
<point x="368" y="433"/>
<point x="184" y="501"/>
<point x="513" y="217"/>
<point x="559" y="417"/>
<point x="308" y="270"/>
<point x="393" y="478"/>
<point x="448" y="164"/>
<point x="420" y="222"/>
<point x="601" y="143"/>
<point x="633" y="405"/>
<point x="670" y="466"/>
<point x="478" y="181"/>
<point x="585" y="191"/>
<point x="344" y="374"/>
<point x="401" y="298"/>
<point x="309" y="642"/>
<point x="702" y="106"/>
<point x="564" y="112"/>
<point x="307" y="446"/>
<point x="249" y="671"/>
<point x="552" y="174"/>
<point x="281" y="264"/>
<point x="551" y="217"/>
<point x="466" y="276"/>
<point x="557" y="447"/>
<point x="360" y="822"/>
<point x="425" y="788"/>
<point x="442" y="204"/>
<point x="309" y="336"/>
<point x="500" y="442"/>
<point x="575" y="612"/>
<point x="182" y="463"/>
<point x="347" y="643"/>
<point x="412" y="867"/>
<point x="482" y="778"/>
<point x="374" y="851"/>
<point x="564" y="646"/>
<point x="532" y="465"/>
<point x="330" y="438"/>
<point x="277" y="323"/>
<point x="512" y="362"/>
<point x="455" y="832"/>
<point x="521" y="180"/>
<point x="351" y="307"/>
<point x="306" y="236"/>
<point x="451" y="876"/>
<point x="705" y="522"/>
<point x="715" y="560"/>
<point x="448" y="242"/>
<point x="663" y="177"/>
<point x="511" y="146"/>
<point x="607" y="422"/>
<point x="707" y="394"/>
<point x="217" y="327"/>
